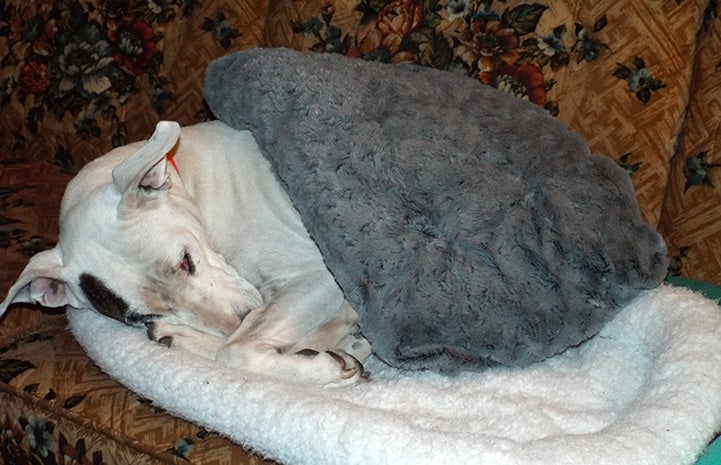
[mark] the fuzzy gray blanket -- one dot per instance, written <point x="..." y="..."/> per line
<point x="467" y="227"/>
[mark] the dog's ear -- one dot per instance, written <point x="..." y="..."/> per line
<point x="146" y="168"/>
<point x="42" y="281"/>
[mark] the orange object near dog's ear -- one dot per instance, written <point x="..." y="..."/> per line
<point x="171" y="161"/>
<point x="145" y="169"/>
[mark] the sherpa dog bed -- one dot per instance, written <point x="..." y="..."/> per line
<point x="645" y="391"/>
<point x="540" y="255"/>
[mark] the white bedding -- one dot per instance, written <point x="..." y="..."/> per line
<point x="646" y="390"/>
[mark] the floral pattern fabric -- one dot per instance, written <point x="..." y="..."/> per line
<point x="72" y="61"/>
<point x="496" y="44"/>
<point x="30" y="194"/>
<point x="59" y="408"/>
<point x="81" y="77"/>
<point x="690" y="219"/>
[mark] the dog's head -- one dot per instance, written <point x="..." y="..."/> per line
<point x="133" y="246"/>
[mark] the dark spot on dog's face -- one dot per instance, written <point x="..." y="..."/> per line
<point x="103" y="299"/>
<point x="140" y="319"/>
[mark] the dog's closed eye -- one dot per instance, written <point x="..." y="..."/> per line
<point x="187" y="264"/>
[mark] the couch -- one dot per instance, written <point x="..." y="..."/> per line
<point x="638" y="80"/>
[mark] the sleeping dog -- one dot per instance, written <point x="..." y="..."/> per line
<point x="191" y="236"/>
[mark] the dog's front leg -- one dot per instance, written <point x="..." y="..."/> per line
<point x="300" y="335"/>
<point x="307" y="366"/>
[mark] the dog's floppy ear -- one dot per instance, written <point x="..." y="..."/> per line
<point x="146" y="168"/>
<point x="42" y="281"/>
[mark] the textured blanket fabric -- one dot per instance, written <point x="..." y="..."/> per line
<point x="460" y="242"/>
<point x="645" y="390"/>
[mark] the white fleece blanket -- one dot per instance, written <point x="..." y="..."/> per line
<point x="647" y="390"/>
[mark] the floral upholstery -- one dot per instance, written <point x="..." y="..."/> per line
<point x="80" y="77"/>
<point x="691" y="218"/>
<point x="60" y="408"/>
<point x="639" y="80"/>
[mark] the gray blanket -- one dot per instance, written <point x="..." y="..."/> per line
<point x="467" y="227"/>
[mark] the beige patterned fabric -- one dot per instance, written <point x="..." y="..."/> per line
<point x="57" y="402"/>
<point x="692" y="212"/>
<point x="60" y="439"/>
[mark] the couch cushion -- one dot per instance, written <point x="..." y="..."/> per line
<point x="617" y="72"/>
<point x="55" y="401"/>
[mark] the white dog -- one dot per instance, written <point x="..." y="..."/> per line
<point x="209" y="254"/>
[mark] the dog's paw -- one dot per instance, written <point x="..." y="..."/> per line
<point x="305" y="366"/>
<point x="155" y="334"/>
<point x="344" y="368"/>
<point x="349" y="365"/>
<point x="183" y="337"/>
